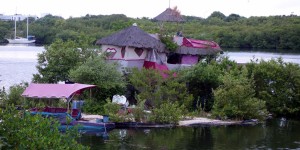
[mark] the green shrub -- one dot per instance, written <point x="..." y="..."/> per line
<point x="139" y="115"/>
<point x="112" y="110"/>
<point x="278" y="84"/>
<point x="93" y="107"/>
<point x="168" y="41"/>
<point x="14" y="95"/>
<point x="153" y="87"/>
<point x="235" y="98"/>
<point x="167" y="113"/>
<point x="33" y="132"/>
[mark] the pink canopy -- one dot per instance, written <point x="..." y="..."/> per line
<point x="200" y="43"/>
<point x="54" y="90"/>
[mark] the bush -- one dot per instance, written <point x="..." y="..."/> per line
<point x="158" y="90"/>
<point x="93" y="107"/>
<point x="112" y="110"/>
<point x="170" y="44"/>
<point x="97" y="71"/>
<point x="235" y="98"/>
<point x="14" y="95"/>
<point x="167" y="113"/>
<point x="33" y="132"/>
<point x="277" y="83"/>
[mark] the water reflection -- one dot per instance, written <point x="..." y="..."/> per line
<point x="269" y="135"/>
<point x="282" y="122"/>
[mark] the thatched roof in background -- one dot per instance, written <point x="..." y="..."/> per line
<point x="197" y="51"/>
<point x="170" y="15"/>
<point x="132" y="36"/>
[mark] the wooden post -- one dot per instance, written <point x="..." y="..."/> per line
<point x="90" y="93"/>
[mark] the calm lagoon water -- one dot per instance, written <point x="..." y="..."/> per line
<point x="247" y="56"/>
<point x="17" y="64"/>
<point x="272" y="134"/>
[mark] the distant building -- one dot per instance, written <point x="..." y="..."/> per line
<point x="6" y="17"/>
<point x="18" y="17"/>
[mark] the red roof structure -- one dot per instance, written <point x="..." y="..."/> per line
<point x="200" y="43"/>
<point x="196" y="47"/>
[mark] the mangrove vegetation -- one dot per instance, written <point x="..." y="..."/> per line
<point x="232" y="31"/>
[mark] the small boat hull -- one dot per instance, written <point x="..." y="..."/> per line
<point x="83" y="126"/>
<point x="68" y="122"/>
<point x="20" y="41"/>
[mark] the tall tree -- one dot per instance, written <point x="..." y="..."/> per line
<point x="60" y="57"/>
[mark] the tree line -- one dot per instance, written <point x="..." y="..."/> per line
<point x="233" y="31"/>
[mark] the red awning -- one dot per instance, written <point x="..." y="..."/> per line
<point x="35" y="90"/>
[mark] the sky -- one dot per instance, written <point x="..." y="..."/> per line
<point x="149" y="8"/>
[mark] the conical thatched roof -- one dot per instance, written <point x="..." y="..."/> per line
<point x="132" y="36"/>
<point x="169" y="15"/>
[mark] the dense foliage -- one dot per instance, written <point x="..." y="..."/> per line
<point x="235" y="97"/>
<point x="20" y="131"/>
<point x="98" y="72"/>
<point x="14" y="95"/>
<point x="278" y="84"/>
<point x="167" y="113"/>
<point x="157" y="90"/>
<point x="233" y="31"/>
<point x="60" y="57"/>
<point x="108" y="79"/>
<point x="202" y="78"/>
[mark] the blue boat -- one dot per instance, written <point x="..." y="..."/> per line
<point x="84" y="126"/>
<point x="67" y="120"/>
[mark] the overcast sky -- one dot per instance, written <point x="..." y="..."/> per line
<point x="149" y="8"/>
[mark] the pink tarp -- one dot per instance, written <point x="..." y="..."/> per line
<point x="153" y="65"/>
<point x="189" y="59"/>
<point x="54" y="90"/>
<point x="200" y="43"/>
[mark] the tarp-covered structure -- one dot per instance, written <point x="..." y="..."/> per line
<point x="196" y="47"/>
<point x="39" y="90"/>
<point x="191" y="51"/>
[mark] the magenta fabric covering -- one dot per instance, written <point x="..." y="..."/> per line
<point x="200" y="43"/>
<point x="161" y="68"/>
<point x="54" y="90"/>
<point x="189" y="59"/>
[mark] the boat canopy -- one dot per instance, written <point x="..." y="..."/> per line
<point x="36" y="90"/>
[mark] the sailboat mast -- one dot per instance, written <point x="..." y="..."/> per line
<point x="27" y="27"/>
<point x="15" y="27"/>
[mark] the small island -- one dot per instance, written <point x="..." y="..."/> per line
<point x="163" y="79"/>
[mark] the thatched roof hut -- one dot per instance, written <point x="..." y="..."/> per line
<point x="132" y="36"/>
<point x="169" y="15"/>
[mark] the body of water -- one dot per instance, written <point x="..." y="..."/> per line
<point x="272" y="134"/>
<point x="247" y="56"/>
<point x="18" y="63"/>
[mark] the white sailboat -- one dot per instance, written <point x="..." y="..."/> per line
<point x="21" y="40"/>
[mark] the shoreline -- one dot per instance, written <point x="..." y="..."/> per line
<point x="195" y="121"/>
<point x="206" y="121"/>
